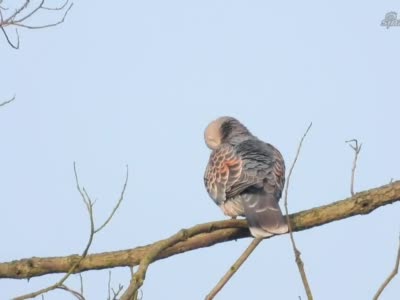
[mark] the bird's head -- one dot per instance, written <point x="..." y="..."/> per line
<point x="225" y="130"/>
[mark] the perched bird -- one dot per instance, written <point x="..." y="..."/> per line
<point x="245" y="176"/>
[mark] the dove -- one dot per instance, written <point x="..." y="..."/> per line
<point x="245" y="176"/>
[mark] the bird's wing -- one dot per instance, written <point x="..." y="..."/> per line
<point x="254" y="173"/>
<point x="262" y="163"/>
<point x="225" y="177"/>
<point x="261" y="208"/>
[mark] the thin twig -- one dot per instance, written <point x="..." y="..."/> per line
<point x="17" y="12"/>
<point x="56" y="8"/>
<point x="109" y="285"/>
<point x="296" y="251"/>
<point x="391" y="275"/>
<point x="121" y="197"/>
<point x="7" y="101"/>
<point x="76" y="294"/>
<point x="115" y="293"/>
<point x="47" y="25"/>
<point x="15" y="46"/>
<point x="357" y="149"/>
<point x="81" y="281"/>
<point x="28" y="15"/>
<point x="89" y="205"/>
<point x="233" y="268"/>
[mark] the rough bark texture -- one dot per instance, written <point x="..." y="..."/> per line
<point x="203" y="235"/>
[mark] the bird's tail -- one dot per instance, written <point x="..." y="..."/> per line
<point x="263" y="214"/>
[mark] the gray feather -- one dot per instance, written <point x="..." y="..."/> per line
<point x="263" y="213"/>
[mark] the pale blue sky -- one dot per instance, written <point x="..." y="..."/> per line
<point x="136" y="83"/>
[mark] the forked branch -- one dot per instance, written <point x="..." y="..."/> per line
<point x="89" y="206"/>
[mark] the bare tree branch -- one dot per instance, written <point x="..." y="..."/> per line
<point x="89" y="205"/>
<point x="203" y="235"/>
<point x="232" y="270"/>
<point x="357" y="149"/>
<point x="297" y="253"/>
<point x="20" y="15"/>
<point x="391" y="275"/>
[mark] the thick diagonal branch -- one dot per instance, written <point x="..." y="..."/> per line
<point x="232" y="270"/>
<point x="204" y="235"/>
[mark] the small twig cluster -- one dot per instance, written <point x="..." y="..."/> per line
<point x="18" y="17"/>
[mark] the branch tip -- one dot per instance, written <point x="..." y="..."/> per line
<point x="357" y="148"/>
